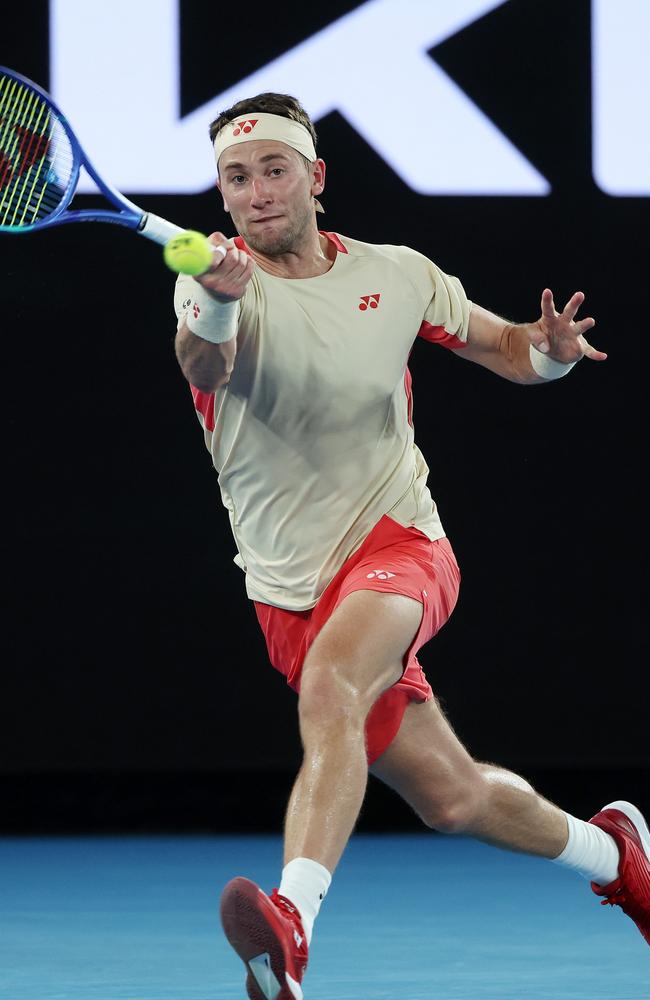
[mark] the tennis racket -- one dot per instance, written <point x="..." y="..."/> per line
<point x="40" y="160"/>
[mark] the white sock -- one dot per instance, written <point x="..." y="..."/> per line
<point x="590" y="851"/>
<point x="305" y="883"/>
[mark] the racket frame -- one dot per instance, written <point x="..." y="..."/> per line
<point x="129" y="215"/>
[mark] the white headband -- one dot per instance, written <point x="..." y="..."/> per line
<point x="261" y="125"/>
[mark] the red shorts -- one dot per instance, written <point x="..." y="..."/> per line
<point x="391" y="559"/>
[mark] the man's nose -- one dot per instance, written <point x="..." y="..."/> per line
<point x="260" y="191"/>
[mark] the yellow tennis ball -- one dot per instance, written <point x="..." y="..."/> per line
<point x="189" y="253"/>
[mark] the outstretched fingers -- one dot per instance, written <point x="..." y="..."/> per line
<point x="581" y="327"/>
<point x="563" y="327"/>
<point x="548" y="305"/>
<point x="573" y="305"/>
<point x="591" y="352"/>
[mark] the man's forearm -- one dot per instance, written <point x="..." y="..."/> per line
<point x="206" y="342"/>
<point x="505" y="348"/>
<point x="205" y="365"/>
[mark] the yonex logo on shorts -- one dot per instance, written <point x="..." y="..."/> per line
<point x="245" y="126"/>
<point x="380" y="574"/>
<point x="369" y="300"/>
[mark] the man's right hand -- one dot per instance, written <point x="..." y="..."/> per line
<point x="228" y="277"/>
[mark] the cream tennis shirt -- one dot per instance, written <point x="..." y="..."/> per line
<point x="312" y="436"/>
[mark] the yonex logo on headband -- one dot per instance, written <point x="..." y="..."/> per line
<point x="245" y="126"/>
<point x="267" y="126"/>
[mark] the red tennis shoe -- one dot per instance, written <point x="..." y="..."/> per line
<point x="631" y="890"/>
<point x="267" y="934"/>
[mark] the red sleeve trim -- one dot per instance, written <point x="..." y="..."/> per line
<point x="204" y="404"/>
<point x="438" y="335"/>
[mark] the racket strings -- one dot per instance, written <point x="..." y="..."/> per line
<point x="36" y="157"/>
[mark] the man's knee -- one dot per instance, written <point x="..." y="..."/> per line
<point x="328" y="695"/>
<point x="454" y="809"/>
<point x="341" y="685"/>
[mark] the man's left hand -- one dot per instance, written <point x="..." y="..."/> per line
<point x="559" y="336"/>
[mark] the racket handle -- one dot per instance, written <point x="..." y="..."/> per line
<point x="157" y="229"/>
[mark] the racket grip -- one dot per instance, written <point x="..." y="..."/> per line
<point x="157" y="229"/>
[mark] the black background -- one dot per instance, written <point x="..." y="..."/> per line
<point x="136" y="689"/>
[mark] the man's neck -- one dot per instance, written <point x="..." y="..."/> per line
<point x="310" y="261"/>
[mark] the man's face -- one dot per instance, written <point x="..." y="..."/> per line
<point x="267" y="187"/>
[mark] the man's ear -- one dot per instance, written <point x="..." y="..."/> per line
<point x="318" y="182"/>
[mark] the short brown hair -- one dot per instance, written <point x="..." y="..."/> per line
<point x="272" y="104"/>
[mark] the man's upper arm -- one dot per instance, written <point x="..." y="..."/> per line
<point x="474" y="333"/>
<point x="445" y="306"/>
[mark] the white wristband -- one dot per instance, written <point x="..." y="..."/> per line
<point x="547" y="368"/>
<point x="210" y="319"/>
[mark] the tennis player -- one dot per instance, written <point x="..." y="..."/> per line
<point x="295" y="344"/>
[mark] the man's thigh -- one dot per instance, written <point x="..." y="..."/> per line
<point x="361" y="648"/>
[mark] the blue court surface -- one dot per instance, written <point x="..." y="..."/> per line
<point x="414" y="917"/>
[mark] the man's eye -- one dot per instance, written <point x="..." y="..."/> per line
<point x="277" y="170"/>
<point x="238" y="179"/>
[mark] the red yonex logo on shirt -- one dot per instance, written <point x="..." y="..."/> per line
<point x="196" y="311"/>
<point x="245" y="126"/>
<point x="369" y="300"/>
<point x="381" y="574"/>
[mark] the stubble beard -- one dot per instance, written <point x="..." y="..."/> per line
<point x="287" y="241"/>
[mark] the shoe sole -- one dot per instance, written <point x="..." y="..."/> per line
<point x="256" y="943"/>
<point x="636" y="816"/>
